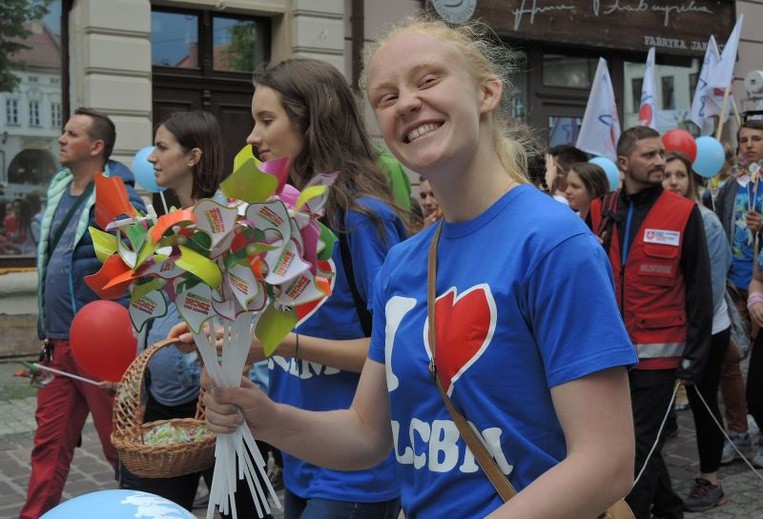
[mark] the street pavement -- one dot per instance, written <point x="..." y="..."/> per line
<point x="89" y="472"/>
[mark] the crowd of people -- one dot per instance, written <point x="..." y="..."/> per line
<point x="483" y="302"/>
<point x="20" y="225"/>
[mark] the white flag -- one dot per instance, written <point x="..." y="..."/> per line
<point x="722" y="74"/>
<point x="647" y="112"/>
<point x="701" y="112"/>
<point x="600" y="129"/>
<point x="564" y="131"/>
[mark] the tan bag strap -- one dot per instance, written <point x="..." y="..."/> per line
<point x="486" y="462"/>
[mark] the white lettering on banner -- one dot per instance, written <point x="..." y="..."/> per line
<point x="528" y="9"/>
<point x="668" y="43"/>
<point x="616" y="6"/>
<point x="300" y="368"/>
<point x="435" y="447"/>
<point x="677" y="9"/>
<point x="698" y="45"/>
<point x="534" y="9"/>
<point x="673" y="43"/>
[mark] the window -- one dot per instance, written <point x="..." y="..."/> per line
<point x="182" y="39"/>
<point x="174" y="39"/>
<point x="56" y="121"/>
<point x="517" y="97"/>
<point x="693" y="79"/>
<point x="238" y="44"/>
<point x="668" y="99"/>
<point x="204" y="59"/>
<point x="12" y="112"/>
<point x="674" y="80"/>
<point x="29" y="145"/>
<point x="34" y="114"/>
<point x="568" y="71"/>
<point x="637" y="84"/>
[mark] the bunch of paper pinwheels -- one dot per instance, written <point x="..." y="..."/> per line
<point x="243" y="261"/>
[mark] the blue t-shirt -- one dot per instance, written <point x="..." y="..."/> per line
<point x="312" y="386"/>
<point x="742" y="254"/>
<point x="525" y="303"/>
<point x="58" y="302"/>
<point x="175" y="376"/>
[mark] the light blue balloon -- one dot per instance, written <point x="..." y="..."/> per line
<point x="710" y="156"/>
<point x="118" y="504"/>
<point x="144" y="170"/>
<point x="610" y="168"/>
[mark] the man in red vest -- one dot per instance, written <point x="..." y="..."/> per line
<point x="656" y="244"/>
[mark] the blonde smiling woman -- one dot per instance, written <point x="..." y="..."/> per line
<point x="516" y="352"/>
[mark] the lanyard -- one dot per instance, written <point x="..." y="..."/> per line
<point x="627" y="237"/>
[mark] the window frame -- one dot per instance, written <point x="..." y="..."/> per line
<point x="35" y="117"/>
<point x="15" y="110"/>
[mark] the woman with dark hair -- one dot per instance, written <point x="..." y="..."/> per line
<point x="187" y="158"/>
<point x="305" y="109"/>
<point x="188" y="155"/>
<point x="585" y="182"/>
<point x="706" y="491"/>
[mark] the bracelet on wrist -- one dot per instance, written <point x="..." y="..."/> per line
<point x="296" y="346"/>
<point x="753" y="298"/>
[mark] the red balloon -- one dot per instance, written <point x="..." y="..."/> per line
<point x="682" y="141"/>
<point x="102" y="340"/>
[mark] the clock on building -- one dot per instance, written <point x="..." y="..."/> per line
<point x="455" y="11"/>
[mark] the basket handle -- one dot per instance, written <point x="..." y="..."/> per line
<point x="128" y="401"/>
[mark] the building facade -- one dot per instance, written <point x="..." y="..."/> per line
<point x="139" y="60"/>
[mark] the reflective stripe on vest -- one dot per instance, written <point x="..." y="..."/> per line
<point x="660" y="350"/>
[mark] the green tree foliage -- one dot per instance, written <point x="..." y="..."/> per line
<point x="14" y="14"/>
<point x="241" y="51"/>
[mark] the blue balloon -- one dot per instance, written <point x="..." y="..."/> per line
<point x="118" y="504"/>
<point x="611" y="169"/>
<point x="144" y="170"/>
<point x="710" y="156"/>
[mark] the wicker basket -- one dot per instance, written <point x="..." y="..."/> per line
<point x="154" y="461"/>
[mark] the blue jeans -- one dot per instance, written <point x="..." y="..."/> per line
<point x="296" y="507"/>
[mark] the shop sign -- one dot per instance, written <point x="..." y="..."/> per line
<point x="673" y="26"/>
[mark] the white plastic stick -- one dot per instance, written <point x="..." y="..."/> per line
<point x="164" y="202"/>
<point x="66" y="374"/>
<point x="240" y="445"/>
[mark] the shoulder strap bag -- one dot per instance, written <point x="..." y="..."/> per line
<point x="498" y="479"/>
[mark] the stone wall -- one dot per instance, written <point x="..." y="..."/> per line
<point x="18" y="314"/>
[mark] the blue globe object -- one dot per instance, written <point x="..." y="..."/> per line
<point x="710" y="156"/>
<point x="118" y="504"/>
<point x="144" y="170"/>
<point x="611" y="169"/>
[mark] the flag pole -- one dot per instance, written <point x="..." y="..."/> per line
<point x="736" y="115"/>
<point x="723" y="113"/>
